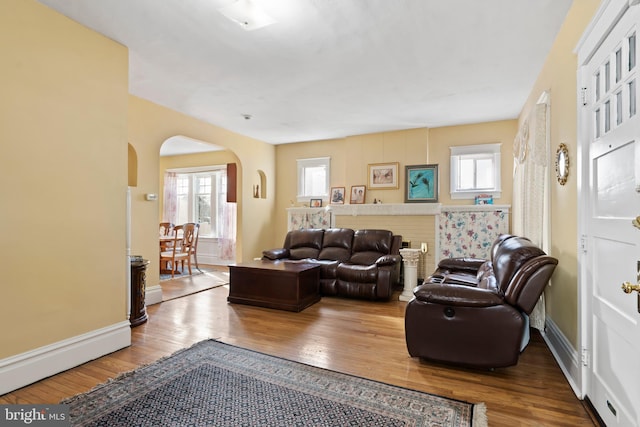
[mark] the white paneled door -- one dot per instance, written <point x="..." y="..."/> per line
<point x="610" y="131"/>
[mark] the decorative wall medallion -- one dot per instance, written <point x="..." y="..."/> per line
<point x="562" y="164"/>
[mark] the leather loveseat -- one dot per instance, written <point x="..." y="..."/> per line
<point x="353" y="263"/>
<point x="473" y="312"/>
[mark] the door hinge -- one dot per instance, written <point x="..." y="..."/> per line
<point x="583" y="96"/>
<point x="583" y="244"/>
<point x="585" y="357"/>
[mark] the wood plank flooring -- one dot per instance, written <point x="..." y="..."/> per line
<point x="208" y="277"/>
<point x="356" y="337"/>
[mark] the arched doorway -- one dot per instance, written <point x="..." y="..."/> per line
<point x="193" y="177"/>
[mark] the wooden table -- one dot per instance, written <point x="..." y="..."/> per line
<point x="281" y="285"/>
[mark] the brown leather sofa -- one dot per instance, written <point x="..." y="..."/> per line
<point x="354" y="263"/>
<point x="474" y="312"/>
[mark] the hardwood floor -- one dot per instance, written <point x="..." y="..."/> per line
<point x="208" y="277"/>
<point x="356" y="337"/>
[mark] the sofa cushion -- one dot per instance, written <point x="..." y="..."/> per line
<point x="372" y="241"/>
<point x="304" y="243"/>
<point x="336" y="244"/>
<point x="358" y="273"/>
<point x="365" y="258"/>
<point x="370" y="245"/>
<point x="454" y="294"/>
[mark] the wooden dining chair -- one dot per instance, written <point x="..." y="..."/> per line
<point x="181" y="249"/>
<point x="166" y="228"/>
<point x="194" y="248"/>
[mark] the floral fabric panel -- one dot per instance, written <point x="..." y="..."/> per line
<point x="470" y="234"/>
<point x="311" y="219"/>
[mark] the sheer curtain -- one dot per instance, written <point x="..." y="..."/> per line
<point x="227" y="232"/>
<point x="226" y="212"/>
<point x="531" y="187"/>
<point x="170" y="206"/>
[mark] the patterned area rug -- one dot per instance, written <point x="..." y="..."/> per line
<point x="216" y="384"/>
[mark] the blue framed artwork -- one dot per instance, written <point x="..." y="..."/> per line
<point x="421" y="184"/>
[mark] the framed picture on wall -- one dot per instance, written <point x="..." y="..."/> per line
<point x="337" y="196"/>
<point x="358" y="193"/>
<point x="421" y="183"/>
<point x="383" y="176"/>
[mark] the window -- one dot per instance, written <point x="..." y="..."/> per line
<point x="475" y="169"/>
<point x="313" y="178"/>
<point x="201" y="196"/>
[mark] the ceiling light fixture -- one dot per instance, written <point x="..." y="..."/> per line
<point x="247" y="14"/>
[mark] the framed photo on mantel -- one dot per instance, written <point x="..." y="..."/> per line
<point x="337" y="196"/>
<point x="358" y="193"/>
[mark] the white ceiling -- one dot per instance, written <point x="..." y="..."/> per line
<point x="331" y="68"/>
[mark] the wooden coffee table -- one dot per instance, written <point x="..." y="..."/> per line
<point x="290" y="286"/>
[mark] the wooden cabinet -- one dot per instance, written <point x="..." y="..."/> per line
<point x="138" y="314"/>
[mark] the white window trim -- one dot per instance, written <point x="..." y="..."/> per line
<point x="313" y="162"/>
<point x="195" y="170"/>
<point x="458" y="151"/>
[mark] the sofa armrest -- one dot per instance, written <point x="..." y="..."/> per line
<point x="275" y="254"/>
<point x="457" y="295"/>
<point x="388" y="260"/>
<point x="461" y="264"/>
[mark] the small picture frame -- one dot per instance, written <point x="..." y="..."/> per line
<point x="484" y="199"/>
<point x="337" y="196"/>
<point x="383" y="176"/>
<point x="358" y="193"/>
<point x="315" y="203"/>
<point x="421" y="183"/>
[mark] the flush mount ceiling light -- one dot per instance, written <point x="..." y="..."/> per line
<point x="247" y="14"/>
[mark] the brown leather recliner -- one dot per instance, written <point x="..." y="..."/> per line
<point x="373" y="270"/>
<point x="474" y="312"/>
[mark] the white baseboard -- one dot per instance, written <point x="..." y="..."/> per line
<point x="26" y="368"/>
<point x="567" y="357"/>
<point x="153" y="295"/>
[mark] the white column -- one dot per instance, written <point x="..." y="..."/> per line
<point x="410" y="258"/>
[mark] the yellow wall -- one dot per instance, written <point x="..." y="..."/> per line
<point x="64" y="177"/>
<point x="67" y="119"/>
<point x="502" y="132"/>
<point x="558" y="76"/>
<point x="351" y="156"/>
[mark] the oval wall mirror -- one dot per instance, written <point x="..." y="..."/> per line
<point x="562" y="164"/>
